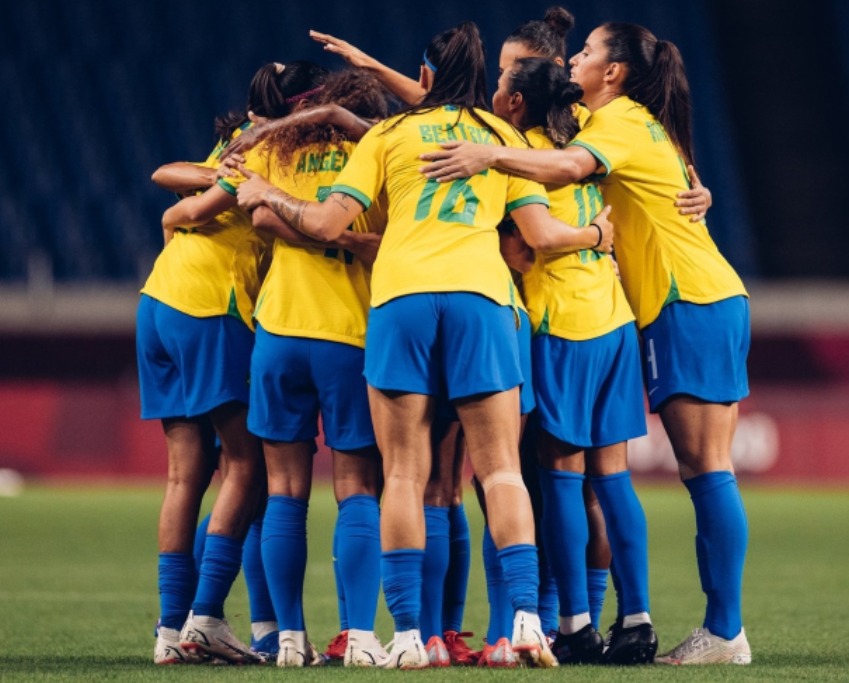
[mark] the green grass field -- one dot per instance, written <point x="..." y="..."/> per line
<point x="78" y="590"/>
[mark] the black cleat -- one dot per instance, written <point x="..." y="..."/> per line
<point x="581" y="647"/>
<point x="627" y="646"/>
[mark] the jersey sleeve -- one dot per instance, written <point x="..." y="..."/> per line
<point x="364" y="175"/>
<point x="257" y="160"/>
<point x="604" y="139"/>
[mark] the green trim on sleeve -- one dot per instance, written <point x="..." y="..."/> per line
<point x="351" y="192"/>
<point x="524" y="201"/>
<point x="598" y="155"/>
<point x="227" y="187"/>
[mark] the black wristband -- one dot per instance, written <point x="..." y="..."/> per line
<point x="597" y="227"/>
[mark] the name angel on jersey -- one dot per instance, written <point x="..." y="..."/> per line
<point x="313" y="162"/>
<point x="454" y="132"/>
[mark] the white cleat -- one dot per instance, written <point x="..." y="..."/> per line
<point x="703" y="647"/>
<point x="297" y="651"/>
<point x="408" y="651"/>
<point x="529" y="641"/>
<point x="203" y="635"/>
<point x="168" y="651"/>
<point x="364" y="649"/>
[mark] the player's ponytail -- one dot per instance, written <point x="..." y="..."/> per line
<point x="546" y="38"/>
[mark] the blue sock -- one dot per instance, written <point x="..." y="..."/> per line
<point x="548" y="601"/>
<point x="628" y="537"/>
<point x="358" y="559"/>
<point x="401" y="571"/>
<point x="520" y="568"/>
<point x="340" y="589"/>
<point x="596" y="589"/>
<point x="178" y="580"/>
<point x="617" y="587"/>
<point x="565" y="533"/>
<point x="200" y="541"/>
<point x="459" y="562"/>
<point x="262" y="609"/>
<point x="434" y="570"/>
<point x="500" y="609"/>
<point x="284" y="555"/>
<point x="222" y="559"/>
<point x="722" y="534"/>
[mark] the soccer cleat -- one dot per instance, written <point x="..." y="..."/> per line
<point x="703" y="647"/>
<point x="296" y="651"/>
<point x="581" y="647"/>
<point x="337" y="647"/>
<point x="437" y="653"/>
<point x="529" y="641"/>
<point x="204" y="635"/>
<point x="459" y="652"/>
<point x="500" y="655"/>
<point x="407" y="651"/>
<point x="632" y="645"/>
<point x="267" y="647"/>
<point x="168" y="651"/>
<point x="364" y="649"/>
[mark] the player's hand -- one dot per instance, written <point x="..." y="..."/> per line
<point x="602" y="220"/>
<point x="229" y="166"/>
<point x="251" y="192"/>
<point x="457" y="160"/>
<point x="354" y="56"/>
<point x="696" y="201"/>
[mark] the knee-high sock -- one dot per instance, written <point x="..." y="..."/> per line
<point x="566" y="534"/>
<point x="178" y="581"/>
<point x="596" y="590"/>
<point x="284" y="555"/>
<point x="628" y="536"/>
<point x="520" y="568"/>
<point x="434" y="570"/>
<point x="340" y="588"/>
<point x="459" y="562"/>
<point x="222" y="559"/>
<point x="259" y="597"/>
<point x="358" y="559"/>
<point x="500" y="609"/>
<point x="548" y="600"/>
<point x="722" y="534"/>
<point x="200" y="541"/>
<point x="401" y="571"/>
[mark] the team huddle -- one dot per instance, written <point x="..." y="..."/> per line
<point x="438" y="284"/>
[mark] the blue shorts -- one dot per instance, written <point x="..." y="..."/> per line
<point x="188" y="365"/>
<point x="294" y="378"/>
<point x="528" y="403"/>
<point x="590" y="393"/>
<point x="457" y="342"/>
<point x="699" y="350"/>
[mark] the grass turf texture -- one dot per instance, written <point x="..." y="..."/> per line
<point x="78" y="596"/>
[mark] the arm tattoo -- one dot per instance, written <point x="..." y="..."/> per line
<point x="287" y="207"/>
<point x="341" y="200"/>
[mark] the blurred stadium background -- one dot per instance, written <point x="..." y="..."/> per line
<point x="98" y="93"/>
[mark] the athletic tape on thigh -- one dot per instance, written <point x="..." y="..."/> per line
<point x="502" y="478"/>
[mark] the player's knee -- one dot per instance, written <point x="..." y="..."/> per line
<point x="513" y="479"/>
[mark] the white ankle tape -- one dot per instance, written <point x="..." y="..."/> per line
<point x="503" y="479"/>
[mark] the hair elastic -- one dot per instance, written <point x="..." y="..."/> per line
<point x="303" y="95"/>
<point x="428" y="63"/>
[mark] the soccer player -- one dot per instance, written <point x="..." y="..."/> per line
<point x="308" y="359"/>
<point x="691" y="307"/>
<point x="194" y="340"/>
<point x="444" y="321"/>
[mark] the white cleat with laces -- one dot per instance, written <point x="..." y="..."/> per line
<point x="703" y="647"/>
<point x="529" y="641"/>
<point x="407" y="651"/>
<point x="364" y="649"/>
<point x="297" y="651"/>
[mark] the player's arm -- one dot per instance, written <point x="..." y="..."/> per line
<point x="406" y="89"/>
<point x="198" y="210"/>
<point x="322" y="221"/>
<point x="514" y="250"/>
<point x="183" y="177"/>
<point x="464" y="159"/>
<point x="544" y="232"/>
<point x="696" y="201"/>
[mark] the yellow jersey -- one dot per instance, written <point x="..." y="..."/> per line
<point x="313" y="292"/>
<point x="662" y="256"/>
<point x="440" y="237"/>
<point x="573" y="295"/>
<point x="213" y="269"/>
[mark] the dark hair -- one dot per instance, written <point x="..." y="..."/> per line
<point x="357" y="90"/>
<point x="460" y="77"/>
<point x="548" y="95"/>
<point x="656" y="79"/>
<point x="546" y="38"/>
<point x="273" y="93"/>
